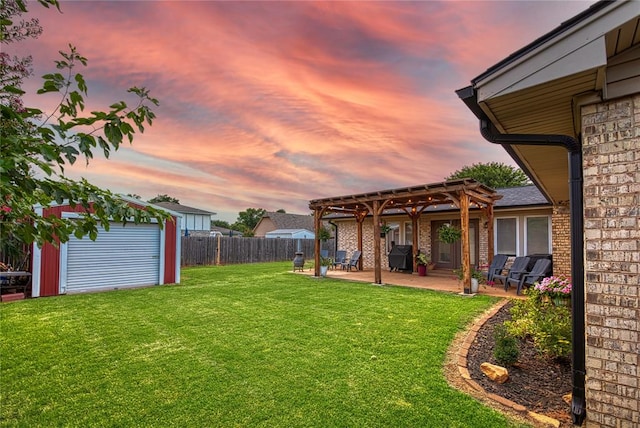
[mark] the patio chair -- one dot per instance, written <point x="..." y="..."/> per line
<point x="341" y="255"/>
<point x="539" y="270"/>
<point x="518" y="268"/>
<point x="353" y="261"/>
<point x="497" y="265"/>
<point x="324" y="253"/>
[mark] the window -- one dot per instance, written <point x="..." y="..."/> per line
<point x="537" y="235"/>
<point x="408" y="233"/>
<point x="506" y="236"/>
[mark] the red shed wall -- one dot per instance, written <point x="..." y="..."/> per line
<point x="170" y="251"/>
<point x="50" y="258"/>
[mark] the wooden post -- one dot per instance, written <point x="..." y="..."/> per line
<point x="317" y="216"/>
<point x="376" y="243"/>
<point x="414" y="241"/>
<point x="464" y="224"/>
<point x="218" y="252"/>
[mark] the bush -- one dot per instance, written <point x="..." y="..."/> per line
<point x="506" y="350"/>
<point x="548" y="325"/>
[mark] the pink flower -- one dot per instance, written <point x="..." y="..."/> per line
<point x="554" y="285"/>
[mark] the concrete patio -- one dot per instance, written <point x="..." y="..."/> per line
<point x="435" y="280"/>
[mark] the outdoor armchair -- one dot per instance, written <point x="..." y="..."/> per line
<point x="353" y="261"/>
<point x="497" y="265"/>
<point x="341" y="255"/>
<point x="518" y="268"/>
<point x="540" y="270"/>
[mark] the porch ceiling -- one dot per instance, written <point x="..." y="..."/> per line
<point x="410" y="199"/>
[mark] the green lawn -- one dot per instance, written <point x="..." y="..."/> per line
<point x="237" y="346"/>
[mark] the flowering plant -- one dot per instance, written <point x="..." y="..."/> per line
<point x="555" y="286"/>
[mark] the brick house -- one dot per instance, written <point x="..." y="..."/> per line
<point x="575" y="93"/>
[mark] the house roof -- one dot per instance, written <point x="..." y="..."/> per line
<point x="539" y="89"/>
<point x="289" y="231"/>
<point x="225" y="231"/>
<point x="290" y="221"/>
<point x="182" y="208"/>
<point x="520" y="196"/>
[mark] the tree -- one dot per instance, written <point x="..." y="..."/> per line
<point x="281" y="210"/>
<point x="163" y="198"/>
<point x="248" y="219"/>
<point x="492" y="174"/>
<point x="36" y="146"/>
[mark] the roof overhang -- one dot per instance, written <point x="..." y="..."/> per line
<point x="540" y="88"/>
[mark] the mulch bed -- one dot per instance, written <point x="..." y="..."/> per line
<point x="534" y="382"/>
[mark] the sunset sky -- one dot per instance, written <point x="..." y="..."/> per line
<point x="272" y="104"/>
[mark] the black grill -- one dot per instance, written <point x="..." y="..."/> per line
<point x="401" y="258"/>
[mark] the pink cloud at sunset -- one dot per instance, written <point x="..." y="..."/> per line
<point x="271" y="104"/>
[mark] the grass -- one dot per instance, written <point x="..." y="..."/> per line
<point x="237" y="346"/>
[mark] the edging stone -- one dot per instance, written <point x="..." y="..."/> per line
<point x="463" y="371"/>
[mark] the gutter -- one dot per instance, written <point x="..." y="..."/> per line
<point x="491" y="134"/>
<point x="335" y="235"/>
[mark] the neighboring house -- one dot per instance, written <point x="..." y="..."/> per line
<point x="522" y="225"/>
<point x="271" y="221"/>
<point x="127" y="255"/>
<point x="291" y="234"/>
<point x="567" y="109"/>
<point x="195" y="221"/>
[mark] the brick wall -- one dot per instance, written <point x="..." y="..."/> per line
<point x="611" y="148"/>
<point x="561" y="242"/>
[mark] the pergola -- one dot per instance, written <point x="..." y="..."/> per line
<point x="462" y="193"/>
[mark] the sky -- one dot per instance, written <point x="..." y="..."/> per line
<point x="273" y="104"/>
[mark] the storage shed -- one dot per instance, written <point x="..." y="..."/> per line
<point x="128" y="255"/>
<point x="291" y="234"/>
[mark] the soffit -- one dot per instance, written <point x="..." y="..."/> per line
<point x="552" y="106"/>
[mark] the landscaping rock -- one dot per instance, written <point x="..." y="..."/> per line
<point x="495" y="373"/>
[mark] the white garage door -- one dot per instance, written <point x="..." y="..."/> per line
<point x="124" y="256"/>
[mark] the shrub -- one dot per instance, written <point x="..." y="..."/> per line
<point x="548" y="325"/>
<point x="506" y="350"/>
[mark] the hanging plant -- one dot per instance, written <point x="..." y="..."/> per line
<point x="449" y="234"/>
<point x="324" y="234"/>
<point x="384" y="229"/>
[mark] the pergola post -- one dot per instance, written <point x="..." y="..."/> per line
<point x="464" y="224"/>
<point x="376" y="243"/>
<point x="317" y="219"/>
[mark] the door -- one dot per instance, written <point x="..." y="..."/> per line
<point x="124" y="256"/>
<point x="449" y="256"/>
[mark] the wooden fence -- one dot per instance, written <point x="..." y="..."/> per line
<point x="197" y="250"/>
